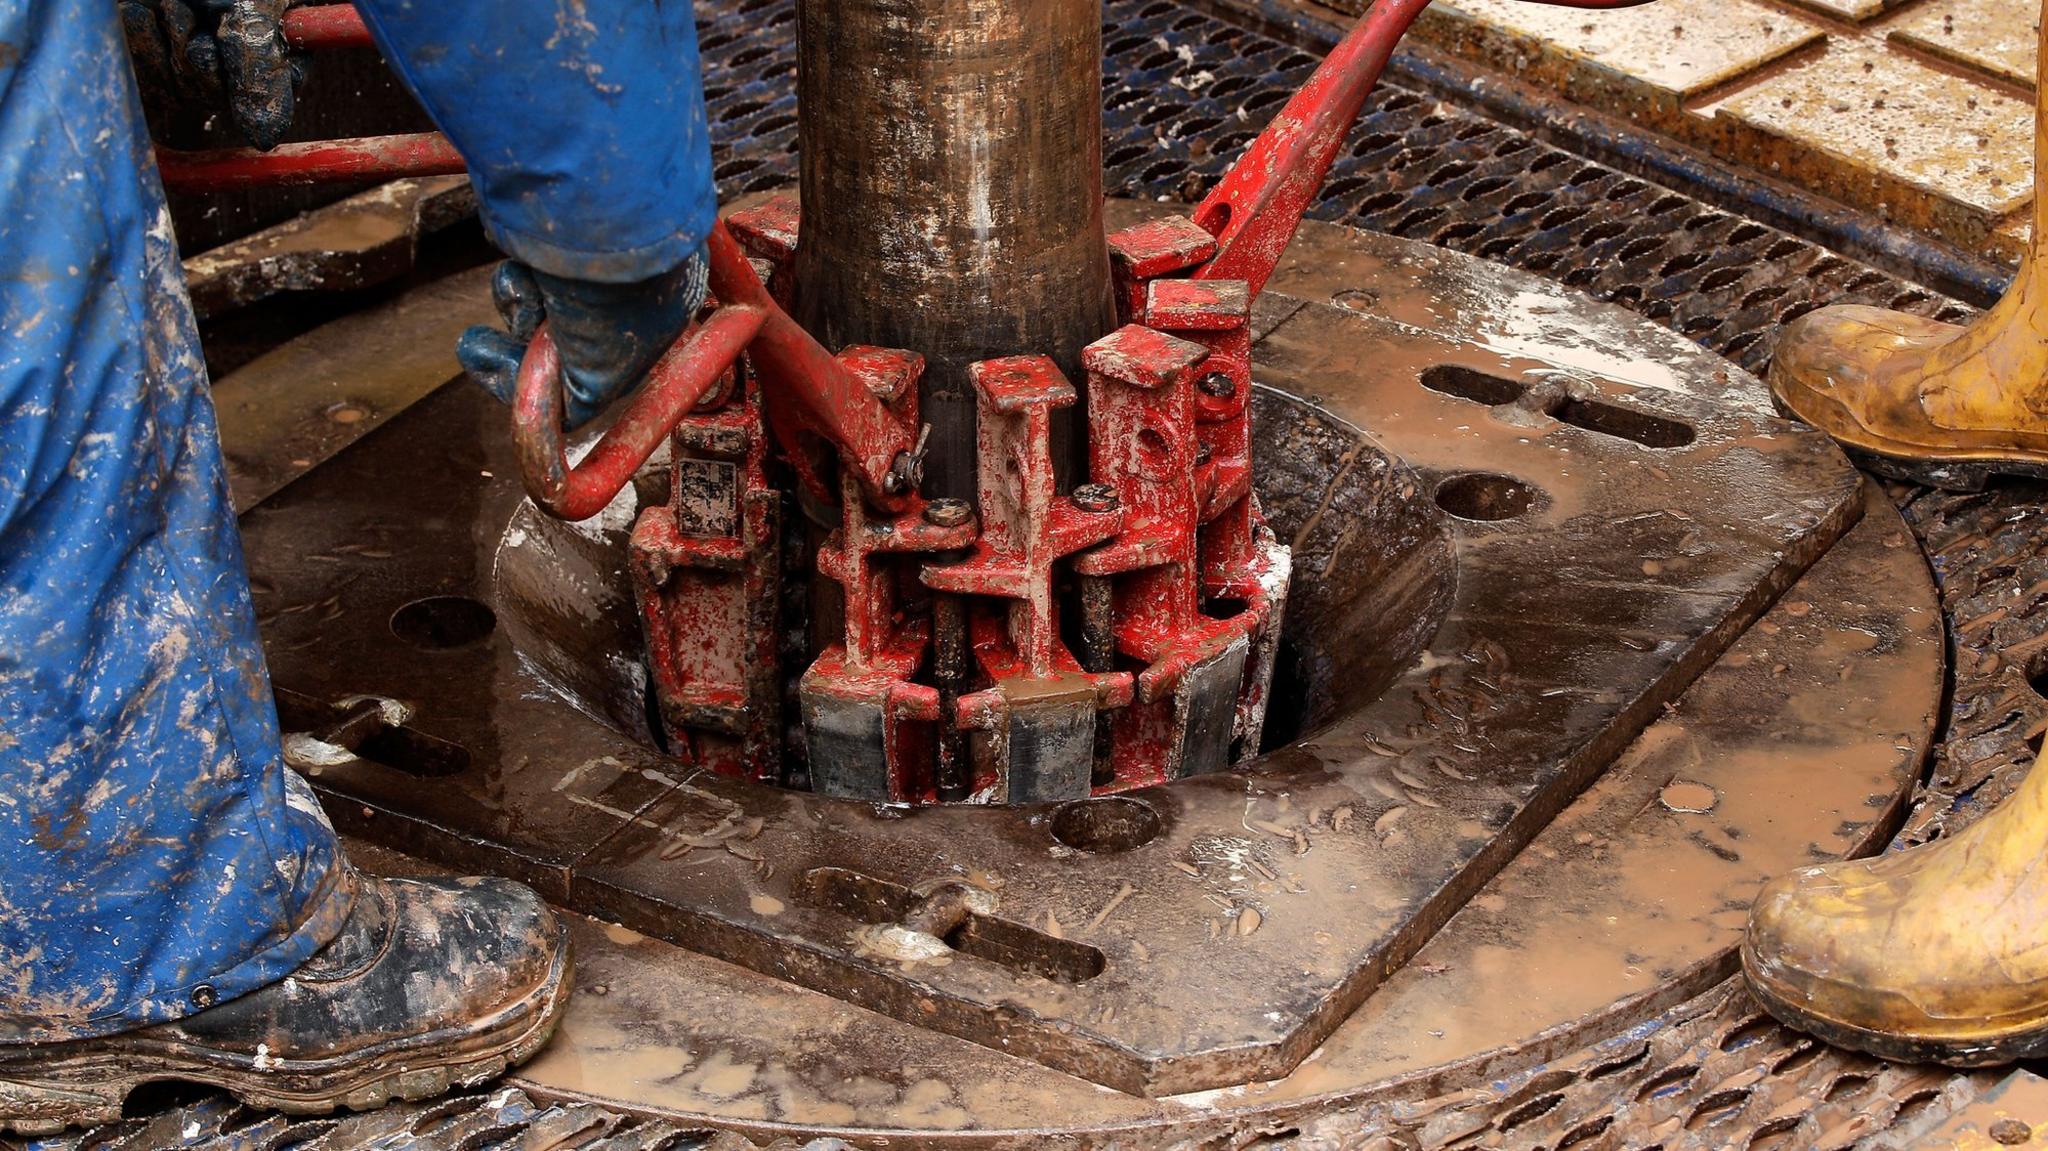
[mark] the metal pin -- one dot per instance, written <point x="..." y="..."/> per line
<point x="949" y="671"/>
<point x="1098" y="654"/>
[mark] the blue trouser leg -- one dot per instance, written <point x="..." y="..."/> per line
<point x="155" y="854"/>
<point x="583" y="123"/>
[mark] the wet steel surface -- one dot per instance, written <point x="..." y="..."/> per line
<point x="1627" y="904"/>
<point x="2012" y="1114"/>
<point x="295" y="406"/>
<point x="1628" y="877"/>
<point x="369" y="238"/>
<point x="1712" y="1072"/>
<point x="1614" y="510"/>
<point x="496" y="1119"/>
<point x="1795" y="746"/>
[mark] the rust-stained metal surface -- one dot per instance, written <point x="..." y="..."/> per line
<point x="369" y="238"/>
<point x="1630" y="876"/>
<point x="1001" y="255"/>
<point x="1788" y="749"/>
<point x="293" y="407"/>
<point x="1627" y="904"/>
<point x="2012" y="1114"/>
<point x="1712" y="1072"/>
<point x="490" y="1119"/>
<point x="1987" y="550"/>
<point x="1625" y="463"/>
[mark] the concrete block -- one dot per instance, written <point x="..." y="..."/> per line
<point x="1879" y="128"/>
<point x="1655" y="56"/>
<point x="1852" y="10"/>
<point x="1997" y="37"/>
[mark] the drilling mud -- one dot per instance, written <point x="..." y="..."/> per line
<point x="1225" y="940"/>
<point x="1619" y="910"/>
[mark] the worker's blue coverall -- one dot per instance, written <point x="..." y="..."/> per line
<point x="156" y="855"/>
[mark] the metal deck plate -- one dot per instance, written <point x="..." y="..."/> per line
<point x="1796" y="746"/>
<point x="1711" y="1073"/>
<point x="1631" y="901"/>
<point x="1604" y="558"/>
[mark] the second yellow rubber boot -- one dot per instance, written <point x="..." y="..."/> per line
<point x="1940" y="403"/>
<point x="1935" y="954"/>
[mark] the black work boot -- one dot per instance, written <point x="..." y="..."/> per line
<point x="431" y="985"/>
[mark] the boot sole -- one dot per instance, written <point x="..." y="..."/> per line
<point x="1953" y="475"/>
<point x="1954" y="470"/>
<point x="43" y="1090"/>
<point x="1980" y="1050"/>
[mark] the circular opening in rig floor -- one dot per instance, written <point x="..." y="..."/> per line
<point x="1105" y="826"/>
<point x="1373" y="577"/>
<point x="442" y="622"/>
<point x="1486" y="497"/>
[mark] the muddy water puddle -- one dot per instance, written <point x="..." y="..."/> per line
<point x="1626" y="901"/>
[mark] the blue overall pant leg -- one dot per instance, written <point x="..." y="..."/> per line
<point x="583" y="124"/>
<point x="155" y="854"/>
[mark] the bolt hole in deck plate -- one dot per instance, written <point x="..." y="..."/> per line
<point x="441" y="622"/>
<point x="1104" y="826"/>
<point x="1484" y="497"/>
<point x="1461" y="682"/>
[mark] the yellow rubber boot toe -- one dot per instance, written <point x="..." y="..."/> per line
<point x="1945" y="404"/>
<point x="1939" y="953"/>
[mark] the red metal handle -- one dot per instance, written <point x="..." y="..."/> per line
<point x="798" y="376"/>
<point x="326" y="26"/>
<point x="673" y="386"/>
<point x="805" y="383"/>
<point x="369" y="158"/>
<point x="1255" y="209"/>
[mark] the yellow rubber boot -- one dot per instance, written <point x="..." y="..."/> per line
<point x="1944" y="404"/>
<point x="1936" y="954"/>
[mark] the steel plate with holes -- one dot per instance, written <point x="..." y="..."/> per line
<point x="1523" y="523"/>
<point x="657" y="1029"/>
<point x="1599" y="901"/>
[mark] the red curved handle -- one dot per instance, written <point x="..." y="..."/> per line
<point x="674" y="386"/>
<point x="1254" y="209"/>
<point x="326" y="26"/>
<point x="794" y="368"/>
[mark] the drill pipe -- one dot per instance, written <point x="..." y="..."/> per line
<point x="951" y="155"/>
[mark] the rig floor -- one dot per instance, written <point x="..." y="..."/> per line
<point x="1710" y="1071"/>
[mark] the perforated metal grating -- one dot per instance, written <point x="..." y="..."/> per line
<point x="1183" y="92"/>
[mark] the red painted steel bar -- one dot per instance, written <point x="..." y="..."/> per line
<point x="677" y="382"/>
<point x="812" y="389"/>
<point x="822" y="393"/>
<point x="318" y="28"/>
<point x="326" y="26"/>
<point x="367" y="159"/>
<point x="1255" y="209"/>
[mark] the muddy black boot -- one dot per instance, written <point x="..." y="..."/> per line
<point x="431" y="985"/>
